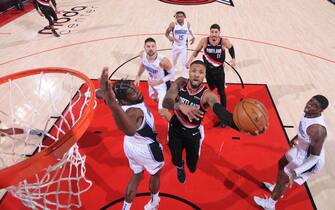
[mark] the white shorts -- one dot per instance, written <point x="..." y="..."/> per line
<point x="140" y="157"/>
<point x="180" y="52"/>
<point x="158" y="92"/>
<point x="295" y="158"/>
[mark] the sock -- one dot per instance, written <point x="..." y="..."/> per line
<point x="155" y="198"/>
<point x="273" y="202"/>
<point x="126" y="206"/>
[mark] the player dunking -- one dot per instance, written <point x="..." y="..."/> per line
<point x="160" y="72"/>
<point x="190" y="99"/>
<point x="45" y="8"/>
<point x="140" y="145"/>
<point x="214" y="56"/>
<point x="306" y="155"/>
<point x="177" y="33"/>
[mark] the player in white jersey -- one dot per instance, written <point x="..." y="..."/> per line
<point x="306" y="155"/>
<point x="160" y="72"/>
<point x="140" y="145"/>
<point x="177" y="33"/>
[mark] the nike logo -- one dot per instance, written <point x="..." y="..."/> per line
<point x="195" y="133"/>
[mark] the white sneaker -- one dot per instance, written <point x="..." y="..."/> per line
<point x="264" y="203"/>
<point x="270" y="187"/>
<point x="37" y="132"/>
<point x="152" y="206"/>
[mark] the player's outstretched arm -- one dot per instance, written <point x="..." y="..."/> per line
<point x="196" y="52"/>
<point x="210" y="100"/>
<point x="126" y="122"/>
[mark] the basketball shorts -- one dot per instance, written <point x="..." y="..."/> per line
<point x="140" y="156"/>
<point x="180" y="52"/>
<point x="296" y="157"/>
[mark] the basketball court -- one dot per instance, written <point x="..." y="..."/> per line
<point x="285" y="54"/>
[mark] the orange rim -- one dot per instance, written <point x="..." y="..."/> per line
<point x="31" y="166"/>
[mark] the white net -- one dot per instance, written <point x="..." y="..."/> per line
<point x="37" y="111"/>
<point x="58" y="187"/>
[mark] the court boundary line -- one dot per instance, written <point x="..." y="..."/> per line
<point x="158" y="34"/>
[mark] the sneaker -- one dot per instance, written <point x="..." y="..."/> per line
<point x="270" y="187"/>
<point x="265" y="203"/>
<point x="152" y="206"/>
<point x="37" y="132"/>
<point x="181" y="174"/>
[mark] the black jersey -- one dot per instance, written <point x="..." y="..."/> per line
<point x="186" y="96"/>
<point x="214" y="55"/>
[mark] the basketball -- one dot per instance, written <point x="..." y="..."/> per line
<point x="251" y="116"/>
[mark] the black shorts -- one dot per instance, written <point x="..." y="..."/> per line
<point x="181" y="138"/>
<point x="215" y="77"/>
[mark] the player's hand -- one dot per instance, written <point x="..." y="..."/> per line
<point x="255" y="133"/>
<point x="192" y="40"/>
<point x="106" y="91"/>
<point x="292" y="178"/>
<point x="258" y="132"/>
<point x="187" y="65"/>
<point x="155" y="82"/>
<point x="41" y="14"/>
<point x="232" y="62"/>
<point x="170" y="39"/>
<point x="294" y="142"/>
<point x="191" y="112"/>
<point x="290" y="183"/>
<point x="137" y="81"/>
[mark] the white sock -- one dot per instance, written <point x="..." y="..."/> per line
<point x="273" y="202"/>
<point x="126" y="206"/>
<point x="155" y="198"/>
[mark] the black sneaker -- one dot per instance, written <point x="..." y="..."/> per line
<point x="181" y="174"/>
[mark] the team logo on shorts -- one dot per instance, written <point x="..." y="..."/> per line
<point x="195" y="2"/>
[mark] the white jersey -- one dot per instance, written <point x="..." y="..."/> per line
<point x="146" y="133"/>
<point x="156" y="72"/>
<point x="180" y="34"/>
<point x="298" y="154"/>
<point x="304" y="141"/>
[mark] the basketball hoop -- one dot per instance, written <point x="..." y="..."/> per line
<point x="45" y="171"/>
